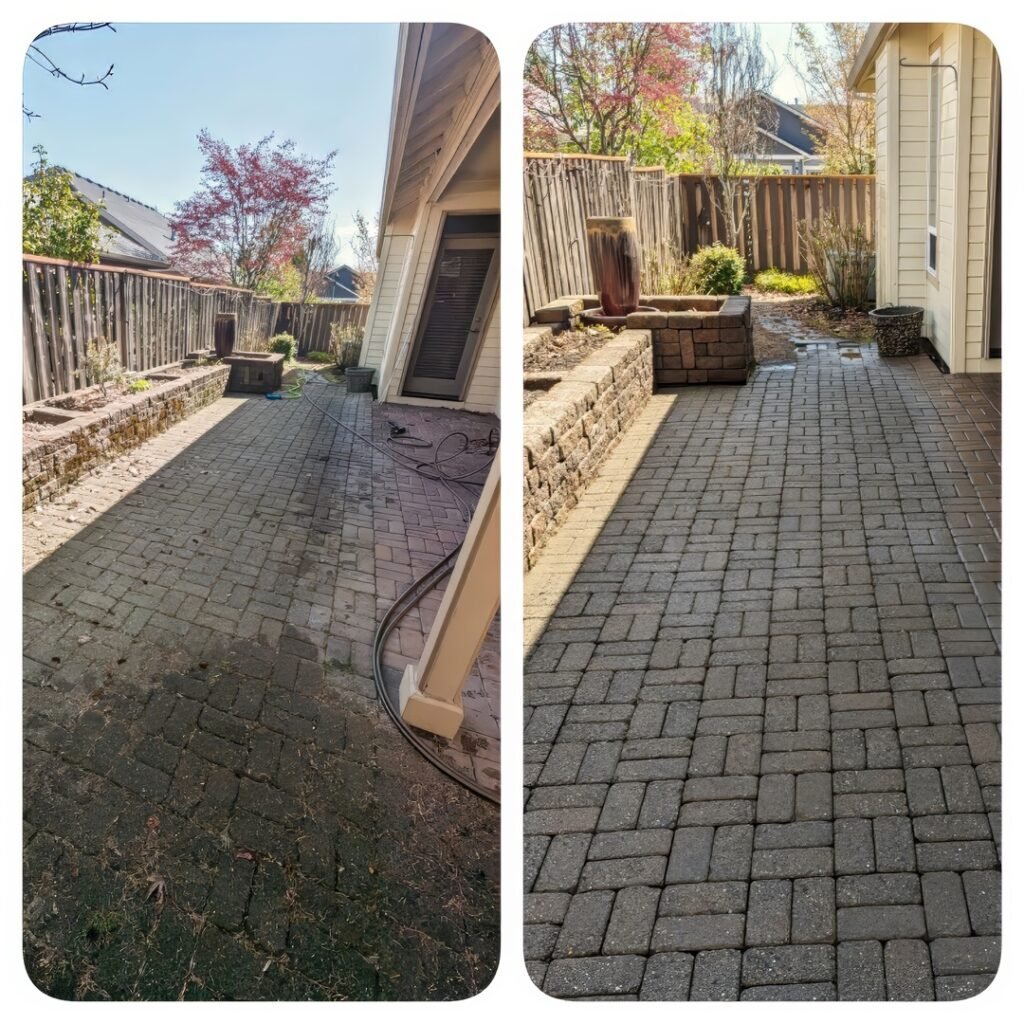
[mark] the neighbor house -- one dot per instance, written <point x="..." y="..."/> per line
<point x="341" y="284"/>
<point x="789" y="138"/>
<point x="432" y="329"/>
<point x="433" y="326"/>
<point x="937" y="99"/>
<point x="132" y="234"/>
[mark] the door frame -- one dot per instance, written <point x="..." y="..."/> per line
<point x="484" y="309"/>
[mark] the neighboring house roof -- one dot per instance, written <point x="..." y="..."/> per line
<point x="342" y="283"/>
<point x="791" y="133"/>
<point x="134" y="232"/>
<point x="439" y="67"/>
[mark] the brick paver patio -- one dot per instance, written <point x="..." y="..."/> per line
<point x="762" y="694"/>
<point x="216" y="806"/>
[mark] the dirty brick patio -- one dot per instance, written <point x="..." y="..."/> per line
<point x="762" y="693"/>
<point x="216" y="806"/>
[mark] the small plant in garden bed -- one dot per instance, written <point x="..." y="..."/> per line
<point x="286" y="345"/>
<point x="841" y="259"/>
<point x="139" y="384"/>
<point x="319" y="357"/>
<point x="784" y="283"/>
<point x="717" y="270"/>
<point x="102" y="364"/>
<point x="668" y="275"/>
<point x="346" y="344"/>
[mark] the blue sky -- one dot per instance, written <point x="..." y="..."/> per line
<point x="777" y="39"/>
<point x="325" y="86"/>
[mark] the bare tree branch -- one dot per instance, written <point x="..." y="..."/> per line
<point x="73" y="26"/>
<point x="739" y="77"/>
<point x="38" y="57"/>
<point x="43" y="60"/>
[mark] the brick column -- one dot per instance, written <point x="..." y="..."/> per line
<point x="430" y="696"/>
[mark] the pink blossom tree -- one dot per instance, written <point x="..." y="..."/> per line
<point x="252" y="211"/>
<point x="592" y="87"/>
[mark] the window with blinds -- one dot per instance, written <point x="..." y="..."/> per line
<point x="462" y="288"/>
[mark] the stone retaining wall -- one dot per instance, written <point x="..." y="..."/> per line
<point x="60" y="454"/>
<point x="569" y="431"/>
<point x="698" y="339"/>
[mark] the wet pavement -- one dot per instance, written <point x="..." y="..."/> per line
<point x="762" y="687"/>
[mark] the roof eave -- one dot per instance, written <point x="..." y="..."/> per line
<point x="408" y="62"/>
<point x="862" y="74"/>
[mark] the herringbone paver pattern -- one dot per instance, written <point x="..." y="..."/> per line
<point x="762" y="750"/>
<point x="215" y="805"/>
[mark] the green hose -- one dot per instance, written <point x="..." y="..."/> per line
<point x="293" y="390"/>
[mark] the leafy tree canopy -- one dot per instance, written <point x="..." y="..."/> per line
<point x="254" y="207"/>
<point x="56" y="221"/>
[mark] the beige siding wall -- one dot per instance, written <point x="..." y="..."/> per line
<point x="884" y="121"/>
<point x="954" y="297"/>
<point x="385" y="299"/>
<point x="485" y="386"/>
<point x="978" y="226"/>
<point x="912" y="169"/>
<point x="939" y="302"/>
<point x="427" y="244"/>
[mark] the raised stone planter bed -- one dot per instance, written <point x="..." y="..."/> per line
<point x="570" y="429"/>
<point x="698" y="339"/>
<point x="255" y="372"/>
<point x="61" y="446"/>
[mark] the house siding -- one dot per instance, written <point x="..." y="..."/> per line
<point x="385" y="300"/>
<point x="884" y="120"/>
<point x="954" y="297"/>
<point x="978" y="213"/>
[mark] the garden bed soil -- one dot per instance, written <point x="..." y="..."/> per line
<point x="565" y="351"/>
<point x="781" y="321"/>
<point x="61" y="444"/>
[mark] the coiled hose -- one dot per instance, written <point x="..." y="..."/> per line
<point x="413" y="594"/>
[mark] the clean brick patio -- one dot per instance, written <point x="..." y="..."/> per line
<point x="215" y="804"/>
<point x="762" y="694"/>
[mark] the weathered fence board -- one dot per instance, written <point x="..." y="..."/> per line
<point x="154" y="318"/>
<point x="675" y="214"/>
<point x="313" y="330"/>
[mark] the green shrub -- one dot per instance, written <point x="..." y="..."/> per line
<point x="717" y="270"/>
<point x="319" y="357"/>
<point x="139" y="384"/>
<point x="286" y="345"/>
<point x="785" y="283"/>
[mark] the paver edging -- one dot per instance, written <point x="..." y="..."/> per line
<point x="51" y="464"/>
<point x="570" y="430"/>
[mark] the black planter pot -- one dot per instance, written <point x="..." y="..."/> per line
<point x="357" y="379"/>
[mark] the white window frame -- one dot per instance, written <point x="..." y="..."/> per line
<point x="933" y="190"/>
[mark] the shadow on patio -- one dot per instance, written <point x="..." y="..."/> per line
<point x="762" y="688"/>
<point x="216" y="806"/>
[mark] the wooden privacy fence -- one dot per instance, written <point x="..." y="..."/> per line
<point x="675" y="215"/>
<point x="154" y="318"/>
<point x="315" y="332"/>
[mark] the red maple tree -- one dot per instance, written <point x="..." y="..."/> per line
<point x="590" y="87"/>
<point x="251" y="212"/>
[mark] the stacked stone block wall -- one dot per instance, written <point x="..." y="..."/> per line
<point x="65" y="453"/>
<point x="569" y="431"/>
<point x="698" y="339"/>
